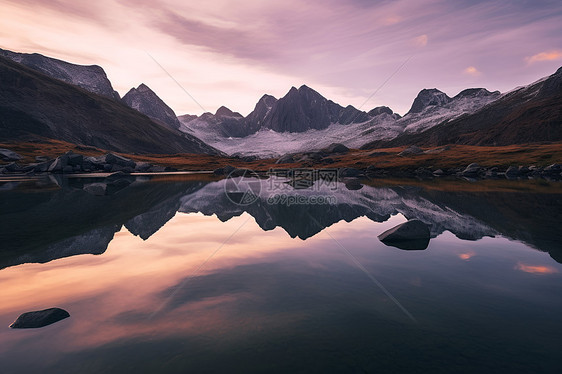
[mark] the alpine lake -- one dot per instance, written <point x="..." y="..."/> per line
<point x="188" y="273"/>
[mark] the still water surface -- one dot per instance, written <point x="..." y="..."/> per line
<point x="170" y="275"/>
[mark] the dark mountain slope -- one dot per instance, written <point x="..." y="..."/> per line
<point x="147" y="102"/>
<point x="304" y="109"/>
<point x="527" y="115"/>
<point x="35" y="105"/>
<point x="91" y="78"/>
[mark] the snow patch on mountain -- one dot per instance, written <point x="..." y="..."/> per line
<point x="229" y="132"/>
<point x="268" y="143"/>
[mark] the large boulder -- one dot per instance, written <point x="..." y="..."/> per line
<point x="286" y="159"/>
<point x="114" y="159"/>
<point x="142" y="167"/>
<point x="7" y="155"/>
<point x="353" y="184"/>
<point x="228" y="169"/>
<point x="472" y="170"/>
<point x="349" y="173"/>
<point x="411" y="150"/>
<point x="42" y="167"/>
<point x="336" y="148"/>
<point x="74" y="159"/>
<point x="552" y="169"/>
<point x="40" y="318"/>
<point x="512" y="172"/>
<point x="13" y="168"/>
<point x="58" y="165"/>
<point x="410" y="235"/>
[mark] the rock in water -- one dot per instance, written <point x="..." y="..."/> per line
<point x="411" y="235"/>
<point x="40" y="318"/>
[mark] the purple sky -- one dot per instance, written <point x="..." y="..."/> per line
<point x="231" y="52"/>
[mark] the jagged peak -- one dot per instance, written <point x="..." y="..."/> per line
<point x="224" y="111"/>
<point x="143" y="88"/>
<point x="267" y="99"/>
<point x="475" y="92"/>
<point x="302" y="90"/>
<point x="428" y="97"/>
<point x="380" y="110"/>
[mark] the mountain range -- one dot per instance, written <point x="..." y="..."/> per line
<point x="49" y="98"/>
<point x="35" y="106"/>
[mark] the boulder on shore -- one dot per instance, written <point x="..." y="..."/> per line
<point x="472" y="170"/>
<point x="353" y="184"/>
<point x="349" y="173"/>
<point x="286" y="159"/>
<point x="512" y="172"/>
<point x="336" y="148"/>
<point x="410" y="235"/>
<point x="40" y="318"/>
<point x="113" y="159"/>
<point x="411" y="150"/>
<point x="7" y="155"/>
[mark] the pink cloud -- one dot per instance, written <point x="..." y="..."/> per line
<point x="545" y="56"/>
<point x="421" y="41"/>
<point x="471" y="70"/>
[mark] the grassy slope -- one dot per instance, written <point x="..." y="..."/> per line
<point x="456" y="156"/>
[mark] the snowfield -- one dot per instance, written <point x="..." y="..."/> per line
<point x="268" y="143"/>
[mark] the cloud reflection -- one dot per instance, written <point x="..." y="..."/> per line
<point x="535" y="269"/>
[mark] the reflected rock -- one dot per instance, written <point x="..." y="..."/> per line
<point x="40" y="318"/>
<point x="556" y="255"/>
<point x="409" y="245"/>
<point x="300" y="183"/>
<point x="96" y="189"/>
<point x="8" y="155"/>
<point x="410" y="235"/>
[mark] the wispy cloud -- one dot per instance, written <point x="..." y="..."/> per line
<point x="335" y="46"/>
<point x="421" y="41"/>
<point x="552" y="55"/>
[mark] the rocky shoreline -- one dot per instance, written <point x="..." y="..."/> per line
<point x="74" y="163"/>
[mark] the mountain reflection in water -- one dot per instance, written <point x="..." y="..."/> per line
<point x="42" y="222"/>
<point x="279" y="288"/>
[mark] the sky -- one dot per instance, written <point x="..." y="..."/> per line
<point x="199" y="55"/>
